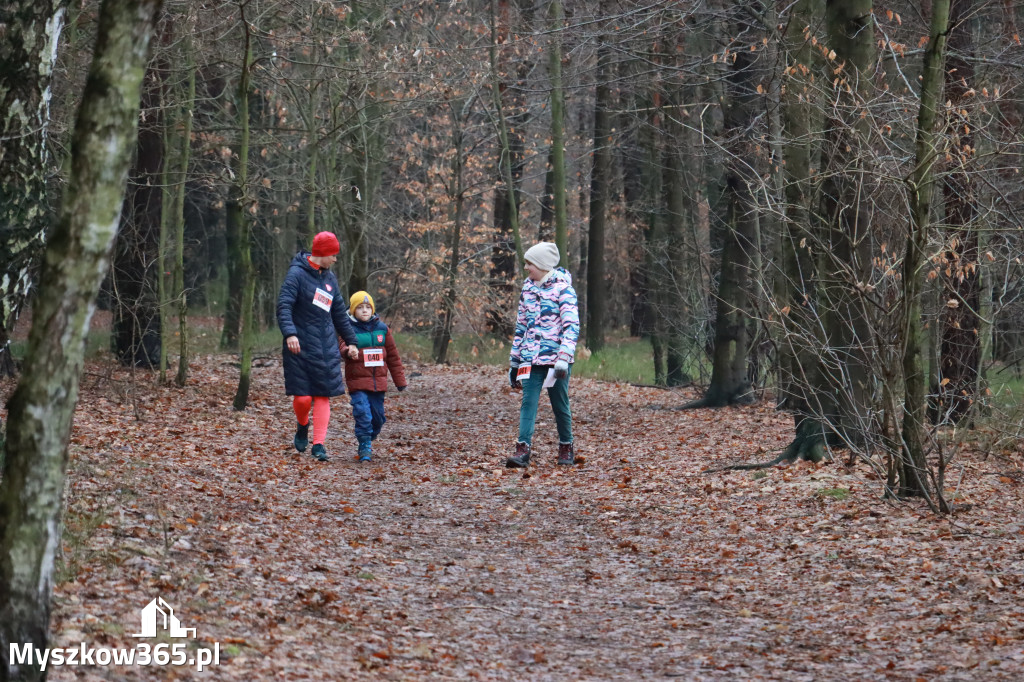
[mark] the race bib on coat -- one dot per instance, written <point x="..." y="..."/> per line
<point x="323" y="299"/>
<point x="373" y="357"/>
<point x="524" y="372"/>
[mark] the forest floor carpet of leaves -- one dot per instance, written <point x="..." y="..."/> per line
<point x="435" y="562"/>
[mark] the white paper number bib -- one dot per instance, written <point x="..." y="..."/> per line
<point x="373" y="357"/>
<point x="322" y="299"/>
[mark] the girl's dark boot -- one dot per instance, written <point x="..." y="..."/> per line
<point x="521" y="459"/>
<point x="566" y="454"/>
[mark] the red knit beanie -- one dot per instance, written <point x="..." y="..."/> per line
<point x="325" y="244"/>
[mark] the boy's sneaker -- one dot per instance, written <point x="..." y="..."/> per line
<point x="320" y="452"/>
<point x="302" y="437"/>
<point x="521" y="459"/>
<point x="566" y="454"/>
<point x="365" y="453"/>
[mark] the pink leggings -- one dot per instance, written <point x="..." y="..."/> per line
<point x="321" y="414"/>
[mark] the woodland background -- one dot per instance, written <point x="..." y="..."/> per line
<point x="814" y="204"/>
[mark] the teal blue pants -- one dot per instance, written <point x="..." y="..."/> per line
<point x="559" y="396"/>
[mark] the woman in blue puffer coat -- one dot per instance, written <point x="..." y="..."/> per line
<point x="312" y="314"/>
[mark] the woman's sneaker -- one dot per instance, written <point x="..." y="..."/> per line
<point x="320" y="452"/>
<point x="301" y="441"/>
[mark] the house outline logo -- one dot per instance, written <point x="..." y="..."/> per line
<point x="159" y="612"/>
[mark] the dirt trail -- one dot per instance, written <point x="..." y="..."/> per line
<point x="436" y="562"/>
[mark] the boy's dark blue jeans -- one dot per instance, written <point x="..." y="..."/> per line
<point x="368" y="413"/>
<point x="559" y="395"/>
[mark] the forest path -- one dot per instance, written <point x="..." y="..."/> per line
<point x="435" y="561"/>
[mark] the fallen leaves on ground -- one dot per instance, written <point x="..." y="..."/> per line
<point x="436" y="561"/>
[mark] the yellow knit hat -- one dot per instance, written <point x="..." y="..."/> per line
<point x="358" y="298"/>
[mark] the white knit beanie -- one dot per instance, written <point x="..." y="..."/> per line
<point x="544" y="255"/>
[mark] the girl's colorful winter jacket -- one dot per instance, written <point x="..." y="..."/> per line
<point x="548" y="321"/>
<point x="309" y="307"/>
<point x="372" y="334"/>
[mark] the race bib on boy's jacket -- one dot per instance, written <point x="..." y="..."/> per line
<point x="373" y="357"/>
<point x="322" y="299"/>
<point x="524" y="372"/>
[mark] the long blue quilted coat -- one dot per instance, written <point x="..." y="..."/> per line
<point x="316" y="370"/>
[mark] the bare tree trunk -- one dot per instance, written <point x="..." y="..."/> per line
<point x="961" y="344"/>
<point x="136" y="325"/>
<point x="233" y="300"/>
<point x="797" y="358"/>
<point x="597" y="296"/>
<point x="239" y="199"/>
<point x="443" y="337"/>
<point x="845" y="206"/>
<point x="179" y="205"/>
<point x="558" y="189"/>
<point x="77" y="257"/>
<point x="506" y="256"/>
<point x="27" y="51"/>
<point x="730" y="383"/>
<point x="912" y="467"/>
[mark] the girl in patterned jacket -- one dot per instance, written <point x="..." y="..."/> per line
<point x="547" y="328"/>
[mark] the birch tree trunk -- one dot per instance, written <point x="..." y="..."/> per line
<point x="76" y="259"/>
<point x="27" y="52"/>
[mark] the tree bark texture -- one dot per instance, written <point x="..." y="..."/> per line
<point x="730" y="383"/>
<point x="239" y="200"/>
<point x="507" y="252"/>
<point x="443" y="336"/>
<point x="799" y="369"/>
<point x="960" y="349"/>
<point x="846" y="210"/>
<point x="75" y="262"/>
<point x="912" y="467"/>
<point x="558" y="189"/>
<point x="136" y="324"/>
<point x="28" y="49"/>
<point x="600" y="176"/>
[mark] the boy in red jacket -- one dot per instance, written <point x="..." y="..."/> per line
<point x="367" y="373"/>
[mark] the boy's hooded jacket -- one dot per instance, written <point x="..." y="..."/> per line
<point x="548" y="321"/>
<point x="372" y="334"/>
<point x="316" y="370"/>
